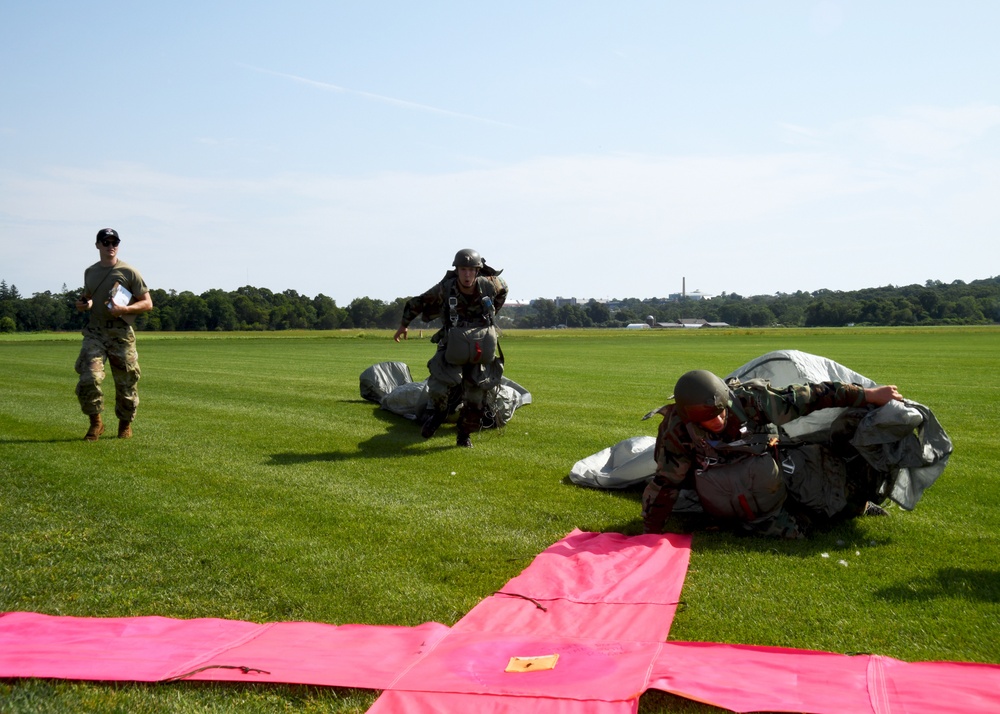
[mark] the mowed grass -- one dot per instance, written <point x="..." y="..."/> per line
<point x="260" y="486"/>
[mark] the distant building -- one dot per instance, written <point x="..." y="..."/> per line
<point x="693" y="295"/>
<point x="559" y="301"/>
<point x="690" y="324"/>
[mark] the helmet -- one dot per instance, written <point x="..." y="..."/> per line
<point x="467" y="258"/>
<point x="107" y="233"/>
<point x="701" y="396"/>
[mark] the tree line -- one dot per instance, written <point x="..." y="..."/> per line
<point x="252" y="308"/>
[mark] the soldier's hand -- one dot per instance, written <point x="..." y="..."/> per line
<point x="401" y="332"/>
<point x="882" y="395"/>
<point x="83" y="304"/>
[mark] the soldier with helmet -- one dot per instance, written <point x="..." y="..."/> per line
<point x="468" y="363"/>
<point x="725" y="442"/>
<point x="108" y="335"/>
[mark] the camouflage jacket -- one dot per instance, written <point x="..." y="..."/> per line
<point x="758" y="409"/>
<point x="434" y="302"/>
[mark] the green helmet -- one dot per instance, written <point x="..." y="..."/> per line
<point x="467" y="258"/>
<point x="701" y="396"/>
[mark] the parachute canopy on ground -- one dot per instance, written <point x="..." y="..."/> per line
<point x="391" y="386"/>
<point x="903" y="438"/>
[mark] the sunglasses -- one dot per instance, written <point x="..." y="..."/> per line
<point x="109" y="242"/>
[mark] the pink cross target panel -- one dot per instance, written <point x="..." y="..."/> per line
<point x="582" y="630"/>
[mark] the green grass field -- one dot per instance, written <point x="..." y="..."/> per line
<point x="260" y="486"/>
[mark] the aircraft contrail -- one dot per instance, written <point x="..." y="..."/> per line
<point x="378" y="97"/>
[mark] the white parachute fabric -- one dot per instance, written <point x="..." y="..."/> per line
<point x="510" y="397"/>
<point x="784" y="367"/>
<point x="626" y="463"/>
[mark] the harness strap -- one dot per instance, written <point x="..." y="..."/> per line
<point x="450" y="308"/>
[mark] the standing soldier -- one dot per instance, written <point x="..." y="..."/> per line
<point x="468" y="363"/>
<point x="115" y="293"/>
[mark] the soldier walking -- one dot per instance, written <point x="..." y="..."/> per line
<point x="114" y="293"/>
<point x="468" y="363"/>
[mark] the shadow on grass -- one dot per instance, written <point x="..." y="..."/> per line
<point x="62" y="440"/>
<point x="400" y="438"/>
<point x="961" y="583"/>
<point x="718" y="535"/>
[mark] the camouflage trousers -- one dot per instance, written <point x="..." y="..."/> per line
<point x="117" y="346"/>
<point x="448" y="384"/>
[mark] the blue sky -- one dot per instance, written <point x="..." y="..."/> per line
<point x="590" y="149"/>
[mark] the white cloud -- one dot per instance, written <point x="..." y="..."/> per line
<point x="932" y="132"/>
<point x="602" y="225"/>
<point x="371" y="96"/>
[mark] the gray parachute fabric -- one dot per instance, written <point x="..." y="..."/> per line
<point x="904" y="438"/>
<point x="391" y="386"/>
<point x="380" y="379"/>
<point x="901" y="438"/>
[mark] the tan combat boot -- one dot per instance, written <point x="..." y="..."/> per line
<point x="124" y="429"/>
<point x="96" y="428"/>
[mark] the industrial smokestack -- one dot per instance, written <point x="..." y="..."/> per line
<point x="684" y="292"/>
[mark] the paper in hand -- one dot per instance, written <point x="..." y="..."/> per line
<point x="121" y="296"/>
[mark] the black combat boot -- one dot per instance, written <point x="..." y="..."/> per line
<point x="431" y="423"/>
<point x="469" y="420"/>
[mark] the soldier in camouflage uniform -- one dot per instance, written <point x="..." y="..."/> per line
<point x="468" y="363"/>
<point x="724" y="442"/>
<point x="109" y="336"/>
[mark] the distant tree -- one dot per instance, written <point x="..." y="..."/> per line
<point x="598" y="312"/>
<point x="328" y="315"/>
<point x="192" y="312"/>
<point x="546" y="313"/>
<point x="42" y="311"/>
<point x="390" y="314"/>
<point x="573" y="316"/>
<point x="967" y="309"/>
<point x="761" y="316"/>
<point x="364" y="312"/>
<point x="626" y="316"/>
<point x="221" y="312"/>
<point x="251" y="313"/>
<point x="292" y="311"/>
<point x="735" y="313"/>
<point x="252" y="308"/>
